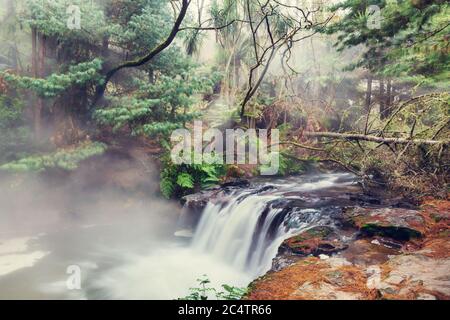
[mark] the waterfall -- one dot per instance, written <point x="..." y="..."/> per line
<point x="234" y="241"/>
<point x="245" y="229"/>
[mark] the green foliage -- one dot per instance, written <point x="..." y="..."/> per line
<point x="177" y="180"/>
<point x="411" y="42"/>
<point x="14" y="133"/>
<point x="121" y="115"/>
<point x="158" y="108"/>
<point x="205" y="292"/>
<point x="427" y="118"/>
<point x="139" y="25"/>
<point x="11" y="110"/>
<point x="66" y="159"/>
<point x="55" y="84"/>
<point x="158" y="128"/>
<point x="288" y="165"/>
<point x="50" y="17"/>
<point x="166" y="184"/>
<point x="185" y="180"/>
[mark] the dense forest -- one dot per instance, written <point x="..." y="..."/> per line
<point x="372" y="100"/>
<point x="356" y="86"/>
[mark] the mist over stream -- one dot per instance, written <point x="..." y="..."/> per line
<point x="124" y="242"/>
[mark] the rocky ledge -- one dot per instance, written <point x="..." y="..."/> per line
<point x="377" y="253"/>
<point x="194" y="204"/>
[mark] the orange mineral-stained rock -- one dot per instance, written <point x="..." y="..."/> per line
<point x="314" y="279"/>
<point x="396" y="223"/>
<point x="315" y="241"/>
<point x="399" y="254"/>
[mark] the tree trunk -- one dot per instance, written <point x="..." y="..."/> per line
<point x="151" y="76"/>
<point x="369" y="93"/>
<point x="388" y="98"/>
<point x="35" y="70"/>
<point x="41" y="74"/>
<point x="33" y="53"/>
<point x="381" y="100"/>
<point x="100" y="89"/>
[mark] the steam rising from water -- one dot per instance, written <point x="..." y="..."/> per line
<point x="235" y="242"/>
<point x="86" y="218"/>
<point x="123" y="241"/>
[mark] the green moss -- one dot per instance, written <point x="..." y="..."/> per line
<point x="398" y="233"/>
<point x="321" y="232"/>
<point x="436" y="218"/>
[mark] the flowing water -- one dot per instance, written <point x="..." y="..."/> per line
<point x="245" y="229"/>
<point x="133" y="255"/>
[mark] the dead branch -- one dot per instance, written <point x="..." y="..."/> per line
<point x="363" y="137"/>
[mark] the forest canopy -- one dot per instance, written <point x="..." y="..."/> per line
<point x="358" y="85"/>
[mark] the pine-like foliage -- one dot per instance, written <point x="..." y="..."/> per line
<point x="57" y="83"/>
<point x="158" y="108"/>
<point x="411" y="42"/>
<point x="66" y="159"/>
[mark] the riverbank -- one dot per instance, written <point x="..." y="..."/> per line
<point x="392" y="254"/>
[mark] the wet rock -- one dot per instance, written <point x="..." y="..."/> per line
<point x="240" y="183"/>
<point x="388" y="243"/>
<point x="325" y="291"/>
<point x="364" y="199"/>
<point x="193" y="206"/>
<point x="315" y="241"/>
<point x="395" y="223"/>
<point x="415" y="276"/>
<point x="365" y="253"/>
<point x="266" y="188"/>
<point x="316" y="279"/>
<point x="425" y="296"/>
<point x="291" y="203"/>
<point x="282" y="261"/>
<point x="384" y="266"/>
<point x="196" y="201"/>
<point x="438" y="210"/>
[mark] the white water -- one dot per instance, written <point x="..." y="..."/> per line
<point x="246" y="232"/>
<point x="228" y="234"/>
<point x="234" y="242"/>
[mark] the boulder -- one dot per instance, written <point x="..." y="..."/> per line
<point x="315" y="241"/>
<point x="395" y="223"/>
<point x="313" y="279"/>
<point x="415" y="276"/>
<point x="193" y="206"/>
<point x="384" y="266"/>
<point x="239" y="183"/>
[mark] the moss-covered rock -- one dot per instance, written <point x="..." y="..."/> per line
<point x="395" y="223"/>
<point x="315" y="241"/>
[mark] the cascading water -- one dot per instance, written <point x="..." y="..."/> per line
<point x="246" y="228"/>
<point x="235" y="241"/>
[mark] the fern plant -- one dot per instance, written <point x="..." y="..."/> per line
<point x="178" y="180"/>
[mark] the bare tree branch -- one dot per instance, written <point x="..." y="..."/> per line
<point x="363" y="137"/>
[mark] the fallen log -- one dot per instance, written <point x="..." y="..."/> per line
<point x="363" y="137"/>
